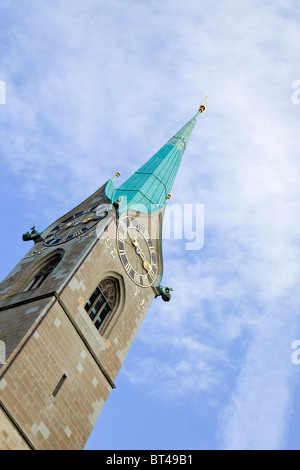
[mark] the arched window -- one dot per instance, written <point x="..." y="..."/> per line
<point x="44" y="272"/>
<point x="103" y="301"/>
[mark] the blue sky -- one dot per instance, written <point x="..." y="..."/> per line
<point x="97" y="87"/>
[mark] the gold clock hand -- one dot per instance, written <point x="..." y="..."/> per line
<point x="143" y="257"/>
<point x="133" y="241"/>
<point x="139" y="252"/>
<point x="89" y="219"/>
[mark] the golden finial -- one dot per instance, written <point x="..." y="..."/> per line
<point x="169" y="196"/>
<point x="116" y="175"/>
<point x="203" y="107"/>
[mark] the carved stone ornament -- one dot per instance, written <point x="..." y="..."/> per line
<point x="109" y="289"/>
<point x="34" y="235"/>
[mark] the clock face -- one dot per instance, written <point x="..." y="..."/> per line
<point x="76" y="225"/>
<point x="136" y="251"/>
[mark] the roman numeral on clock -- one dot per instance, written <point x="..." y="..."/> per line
<point x="127" y="268"/>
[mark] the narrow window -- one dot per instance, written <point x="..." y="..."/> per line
<point x="102" y="302"/>
<point x="59" y="385"/>
<point x="42" y="275"/>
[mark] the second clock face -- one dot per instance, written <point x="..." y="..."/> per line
<point x="76" y="225"/>
<point x="136" y="251"/>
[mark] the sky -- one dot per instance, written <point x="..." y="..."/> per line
<point x="94" y="87"/>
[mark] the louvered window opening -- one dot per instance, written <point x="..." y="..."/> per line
<point x="42" y="275"/>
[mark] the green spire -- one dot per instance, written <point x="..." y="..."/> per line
<point x="148" y="188"/>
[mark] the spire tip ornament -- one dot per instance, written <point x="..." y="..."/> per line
<point x="116" y="175"/>
<point x="203" y="107"/>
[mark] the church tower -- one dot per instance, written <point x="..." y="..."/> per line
<point x="71" y="308"/>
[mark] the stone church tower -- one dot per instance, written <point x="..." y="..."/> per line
<point x="71" y="308"/>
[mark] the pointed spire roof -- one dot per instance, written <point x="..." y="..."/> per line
<point x="148" y="188"/>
